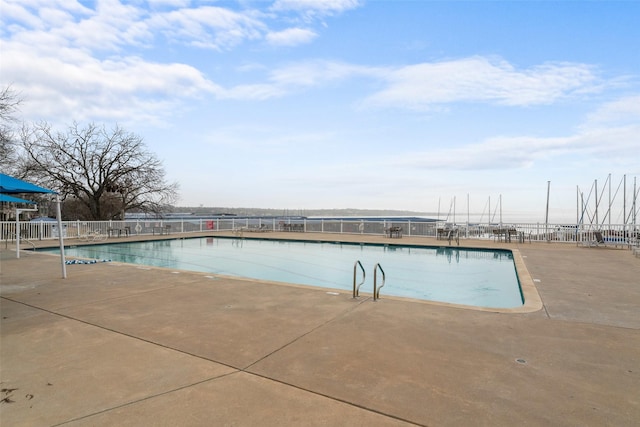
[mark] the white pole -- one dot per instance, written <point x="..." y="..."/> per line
<point x="577" y="205"/>
<point x="577" y="213"/>
<point x="597" y="220"/>
<point x="609" y="203"/>
<point x="61" y="238"/>
<point x="468" y="220"/>
<point x="454" y="210"/>
<point x="624" y="209"/>
<point x="546" y="217"/>
<point x="468" y="217"/>
<point x="635" y="196"/>
<point x="18" y="233"/>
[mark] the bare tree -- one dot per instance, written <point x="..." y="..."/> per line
<point x="100" y="172"/>
<point x="9" y="103"/>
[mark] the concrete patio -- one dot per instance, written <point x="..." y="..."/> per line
<point x="124" y="345"/>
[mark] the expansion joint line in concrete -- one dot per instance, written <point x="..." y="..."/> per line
<point x="333" y="319"/>
<point x="149" y="397"/>
<point x="66" y="316"/>
<point x="336" y="399"/>
<point x="346" y="402"/>
<point x="135" y="338"/>
<point x="236" y="369"/>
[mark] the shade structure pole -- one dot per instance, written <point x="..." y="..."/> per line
<point x="61" y="238"/>
<point x="17" y="233"/>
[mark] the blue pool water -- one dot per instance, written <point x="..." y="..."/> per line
<point x="484" y="278"/>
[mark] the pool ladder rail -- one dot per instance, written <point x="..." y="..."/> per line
<point x="376" y="289"/>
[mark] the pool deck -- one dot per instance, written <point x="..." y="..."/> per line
<point x="115" y="344"/>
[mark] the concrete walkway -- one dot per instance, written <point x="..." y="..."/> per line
<point x="116" y="344"/>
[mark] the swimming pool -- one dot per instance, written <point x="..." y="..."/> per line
<point x="476" y="277"/>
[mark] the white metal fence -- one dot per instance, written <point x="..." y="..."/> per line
<point x="621" y="234"/>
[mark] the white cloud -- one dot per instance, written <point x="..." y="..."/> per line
<point x="292" y="78"/>
<point x="481" y="79"/>
<point x="208" y="27"/>
<point x="623" y="110"/>
<point x="54" y="17"/>
<point x="291" y="37"/>
<point x="69" y="24"/>
<point x="172" y="3"/>
<point x="615" y="145"/>
<point x="315" y="73"/>
<point x="429" y="86"/>
<point x="324" y="7"/>
<point x="494" y="153"/>
<point x="113" y="24"/>
<point x="258" y="92"/>
<point x="312" y="11"/>
<point x="88" y="88"/>
<point x="28" y="13"/>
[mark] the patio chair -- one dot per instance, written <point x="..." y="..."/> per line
<point x="599" y="240"/>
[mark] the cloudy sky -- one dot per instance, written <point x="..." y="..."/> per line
<point x="345" y="103"/>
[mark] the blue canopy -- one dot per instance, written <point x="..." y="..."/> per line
<point x="11" y="199"/>
<point x="11" y="185"/>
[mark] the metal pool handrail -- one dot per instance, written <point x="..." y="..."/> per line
<point x="376" y="290"/>
<point x="356" y="289"/>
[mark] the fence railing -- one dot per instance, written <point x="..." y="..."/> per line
<point x="620" y="234"/>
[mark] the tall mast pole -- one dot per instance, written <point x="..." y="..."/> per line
<point x="609" y="202"/>
<point x="454" y="210"/>
<point x="468" y="209"/>
<point x="624" y="207"/>
<point x="577" y="205"/>
<point x="635" y="196"/>
<point x="577" y="213"/>
<point x="597" y="220"/>
<point x="546" y="217"/>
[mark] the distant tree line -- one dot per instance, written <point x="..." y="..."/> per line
<point x="99" y="172"/>
<point x="345" y="212"/>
